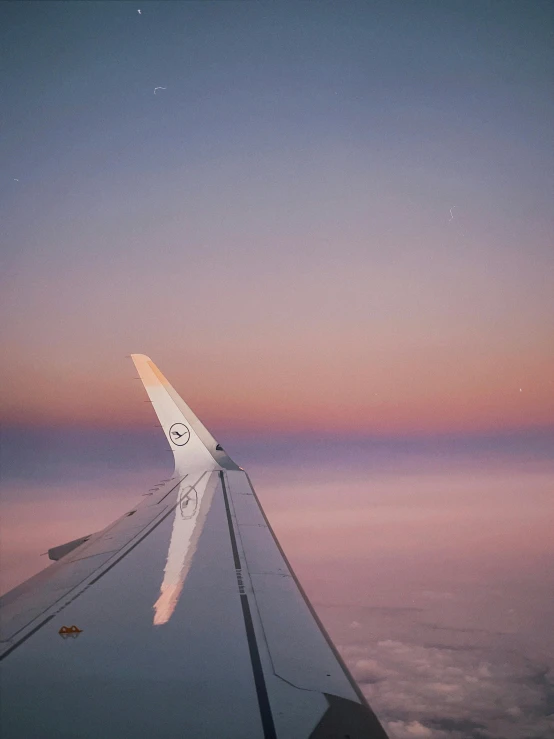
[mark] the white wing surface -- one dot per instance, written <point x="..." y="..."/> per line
<point x="183" y="618"/>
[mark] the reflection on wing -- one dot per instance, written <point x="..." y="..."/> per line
<point x="190" y="514"/>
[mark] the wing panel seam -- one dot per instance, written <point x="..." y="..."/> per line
<point x="88" y="585"/>
<point x="257" y="669"/>
<point x="24" y="638"/>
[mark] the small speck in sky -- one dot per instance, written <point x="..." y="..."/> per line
<point x="139" y="12"/>
<point x="452" y="214"/>
<point x="15" y="180"/>
<point x="159" y="88"/>
<point x="520" y="390"/>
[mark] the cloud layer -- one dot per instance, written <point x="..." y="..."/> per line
<point x="445" y="693"/>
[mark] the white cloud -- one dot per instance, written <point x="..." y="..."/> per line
<point x="443" y="693"/>
<point x="404" y="730"/>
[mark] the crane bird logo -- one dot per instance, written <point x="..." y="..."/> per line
<point x="179" y="434"/>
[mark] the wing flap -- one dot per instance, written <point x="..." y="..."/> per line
<point x="299" y="652"/>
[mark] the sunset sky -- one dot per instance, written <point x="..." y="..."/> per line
<point x="274" y="228"/>
<point x="333" y="232"/>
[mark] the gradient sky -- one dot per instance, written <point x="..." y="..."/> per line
<point x="274" y="228"/>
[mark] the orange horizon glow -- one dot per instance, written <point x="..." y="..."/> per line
<point x="321" y="421"/>
<point x="308" y="402"/>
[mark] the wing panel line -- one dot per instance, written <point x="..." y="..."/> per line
<point x="259" y="680"/>
<point x="24" y="638"/>
<point x="86" y="587"/>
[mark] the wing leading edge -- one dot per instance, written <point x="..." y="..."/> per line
<point x="189" y="618"/>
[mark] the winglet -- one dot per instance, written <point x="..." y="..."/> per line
<point x="191" y="443"/>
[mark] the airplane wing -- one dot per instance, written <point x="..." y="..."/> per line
<point x="183" y="618"/>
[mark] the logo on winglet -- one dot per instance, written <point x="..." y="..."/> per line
<point x="179" y="434"/>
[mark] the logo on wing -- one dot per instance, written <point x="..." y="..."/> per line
<point x="179" y="434"/>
